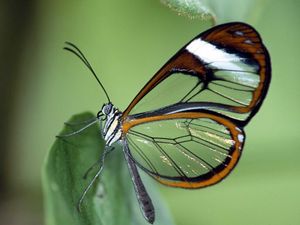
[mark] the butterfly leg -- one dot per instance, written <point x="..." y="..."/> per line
<point x="71" y="124"/>
<point x="101" y="127"/>
<point x="78" y="131"/>
<point x="91" y="168"/>
<point x="107" y="149"/>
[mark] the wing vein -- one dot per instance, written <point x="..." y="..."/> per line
<point x="187" y="151"/>
<point x="176" y="167"/>
<point x="190" y="91"/>
<point x="142" y="155"/>
<point x="227" y="97"/>
<point x="233" y="88"/>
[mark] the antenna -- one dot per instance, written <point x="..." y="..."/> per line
<point x="76" y="51"/>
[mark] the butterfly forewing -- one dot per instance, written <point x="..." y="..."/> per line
<point x="225" y="69"/>
<point x="188" y="150"/>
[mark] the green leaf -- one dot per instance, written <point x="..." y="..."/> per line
<point x="111" y="201"/>
<point x="220" y="11"/>
<point x="190" y="8"/>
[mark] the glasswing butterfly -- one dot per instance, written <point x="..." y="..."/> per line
<point x="185" y="127"/>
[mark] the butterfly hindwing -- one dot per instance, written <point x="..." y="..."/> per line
<point x="188" y="150"/>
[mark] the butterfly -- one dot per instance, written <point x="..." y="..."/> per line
<point x="185" y="127"/>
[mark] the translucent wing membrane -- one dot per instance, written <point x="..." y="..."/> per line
<point x="184" y="88"/>
<point x="189" y="150"/>
<point x="225" y="70"/>
<point x="164" y="94"/>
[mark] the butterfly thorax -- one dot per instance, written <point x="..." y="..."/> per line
<point x="112" y="127"/>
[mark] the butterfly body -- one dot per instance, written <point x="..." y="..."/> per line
<point x="185" y="127"/>
<point x="112" y="127"/>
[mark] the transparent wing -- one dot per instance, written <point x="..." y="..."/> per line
<point x="189" y="150"/>
<point x="225" y="69"/>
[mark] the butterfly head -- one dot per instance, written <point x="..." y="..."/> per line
<point x="106" y="110"/>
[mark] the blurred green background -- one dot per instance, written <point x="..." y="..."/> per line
<point x="41" y="86"/>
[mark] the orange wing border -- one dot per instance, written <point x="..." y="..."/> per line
<point x="237" y="134"/>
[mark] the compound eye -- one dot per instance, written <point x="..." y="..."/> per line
<point x="107" y="109"/>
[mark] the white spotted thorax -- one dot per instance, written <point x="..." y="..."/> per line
<point x="112" y="127"/>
